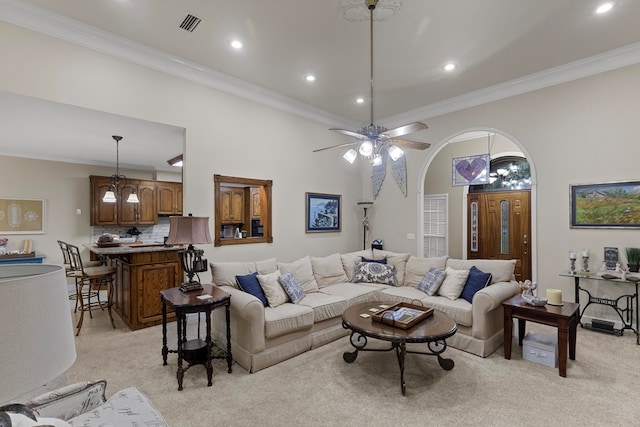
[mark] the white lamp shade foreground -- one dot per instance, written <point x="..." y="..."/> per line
<point x="35" y="326"/>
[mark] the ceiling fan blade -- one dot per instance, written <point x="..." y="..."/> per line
<point x="350" y="133"/>
<point x="411" y="144"/>
<point x="333" y="146"/>
<point x="406" y="129"/>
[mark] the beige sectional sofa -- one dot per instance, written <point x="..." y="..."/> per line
<point x="263" y="336"/>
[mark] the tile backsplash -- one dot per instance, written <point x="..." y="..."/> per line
<point x="148" y="233"/>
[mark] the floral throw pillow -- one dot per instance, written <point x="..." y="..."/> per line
<point x="374" y="272"/>
<point x="291" y="287"/>
<point x="431" y="281"/>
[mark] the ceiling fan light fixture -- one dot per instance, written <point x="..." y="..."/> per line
<point x="395" y="152"/>
<point x="366" y="148"/>
<point x="350" y="156"/>
<point x="377" y="160"/>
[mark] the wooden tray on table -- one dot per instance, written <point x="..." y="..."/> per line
<point x="402" y="315"/>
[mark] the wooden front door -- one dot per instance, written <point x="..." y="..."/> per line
<point x="499" y="227"/>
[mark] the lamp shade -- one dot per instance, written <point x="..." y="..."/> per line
<point x="36" y="327"/>
<point x="188" y="230"/>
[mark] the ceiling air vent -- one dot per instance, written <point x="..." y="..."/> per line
<point x="190" y="23"/>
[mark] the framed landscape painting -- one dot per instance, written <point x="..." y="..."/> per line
<point x="605" y="205"/>
<point x="322" y="212"/>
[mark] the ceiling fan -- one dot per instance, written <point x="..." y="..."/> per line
<point x="373" y="140"/>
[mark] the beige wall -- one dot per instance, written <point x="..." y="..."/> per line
<point x="224" y="135"/>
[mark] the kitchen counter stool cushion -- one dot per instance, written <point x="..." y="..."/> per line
<point x="477" y="280"/>
<point x="249" y="283"/>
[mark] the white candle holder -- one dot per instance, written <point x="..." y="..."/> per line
<point x="573" y="266"/>
<point x="585" y="263"/>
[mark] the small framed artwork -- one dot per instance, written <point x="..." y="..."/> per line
<point x="610" y="258"/>
<point x="471" y="170"/>
<point x="22" y="216"/>
<point x="605" y="205"/>
<point x="322" y="212"/>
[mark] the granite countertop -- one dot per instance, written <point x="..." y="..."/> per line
<point x="132" y="248"/>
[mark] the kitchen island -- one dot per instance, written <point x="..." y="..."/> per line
<point x="142" y="271"/>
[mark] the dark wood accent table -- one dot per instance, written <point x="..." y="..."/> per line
<point x="564" y="317"/>
<point x="434" y="331"/>
<point x="195" y="352"/>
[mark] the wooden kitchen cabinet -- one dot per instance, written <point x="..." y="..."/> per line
<point x="122" y="212"/>
<point x="255" y="202"/>
<point x="169" y="197"/>
<point x="232" y="205"/>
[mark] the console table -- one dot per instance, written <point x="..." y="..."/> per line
<point x="195" y="351"/>
<point x="21" y="259"/>
<point x="626" y="305"/>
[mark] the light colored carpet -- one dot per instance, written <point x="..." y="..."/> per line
<point x="318" y="388"/>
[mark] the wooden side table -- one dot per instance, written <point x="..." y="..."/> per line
<point x="196" y="351"/>
<point x="564" y="317"/>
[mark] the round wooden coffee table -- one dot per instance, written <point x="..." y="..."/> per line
<point x="433" y="331"/>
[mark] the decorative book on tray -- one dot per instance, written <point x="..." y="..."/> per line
<point x="402" y="315"/>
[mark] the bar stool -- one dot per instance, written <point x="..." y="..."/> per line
<point x="69" y="269"/>
<point x="88" y="280"/>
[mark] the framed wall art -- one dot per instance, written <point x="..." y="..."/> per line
<point x="471" y="170"/>
<point x="22" y="216"/>
<point x="322" y="212"/>
<point x="605" y="205"/>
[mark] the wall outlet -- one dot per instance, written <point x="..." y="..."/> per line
<point x="411" y="236"/>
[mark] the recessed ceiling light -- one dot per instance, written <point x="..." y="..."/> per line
<point x="310" y="78"/>
<point x="449" y="67"/>
<point x="604" y="7"/>
<point x="360" y="100"/>
<point x="236" y="44"/>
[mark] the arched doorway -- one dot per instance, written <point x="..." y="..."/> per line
<point x="446" y="206"/>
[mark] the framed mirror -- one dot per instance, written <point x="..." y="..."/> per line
<point x="242" y="210"/>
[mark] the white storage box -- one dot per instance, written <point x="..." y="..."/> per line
<point x="541" y="348"/>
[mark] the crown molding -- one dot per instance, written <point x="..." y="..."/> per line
<point x="52" y="24"/>
<point x="607" y="61"/>
<point x="39" y="20"/>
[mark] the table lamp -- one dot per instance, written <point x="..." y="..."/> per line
<point x="36" y="328"/>
<point x="190" y="230"/>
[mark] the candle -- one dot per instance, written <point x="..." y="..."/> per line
<point x="554" y="296"/>
<point x="573" y="255"/>
<point x="585" y="253"/>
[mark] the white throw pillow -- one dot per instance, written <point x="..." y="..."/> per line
<point x="328" y="270"/>
<point x="273" y="289"/>
<point x="453" y="283"/>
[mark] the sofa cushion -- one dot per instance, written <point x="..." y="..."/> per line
<point x="402" y="294"/>
<point x="249" y="283"/>
<point x="325" y="306"/>
<point x="224" y="273"/>
<point x="381" y="261"/>
<point x="459" y="310"/>
<point x="418" y="267"/>
<point x="328" y="270"/>
<point x="354" y="293"/>
<point x="453" y="283"/>
<point x="350" y="261"/>
<point x="501" y="270"/>
<point x="287" y="318"/>
<point x="374" y="272"/>
<point x="398" y="260"/>
<point x="477" y="280"/>
<point x="431" y="282"/>
<point x="291" y="287"/>
<point x="272" y="289"/>
<point x="266" y="266"/>
<point x="302" y="271"/>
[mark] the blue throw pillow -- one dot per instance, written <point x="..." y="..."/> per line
<point x="379" y="261"/>
<point x="291" y="287"/>
<point x="251" y="285"/>
<point x="477" y="280"/>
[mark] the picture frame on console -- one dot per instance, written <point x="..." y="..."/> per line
<point x="323" y="212"/>
<point x="605" y="205"/>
